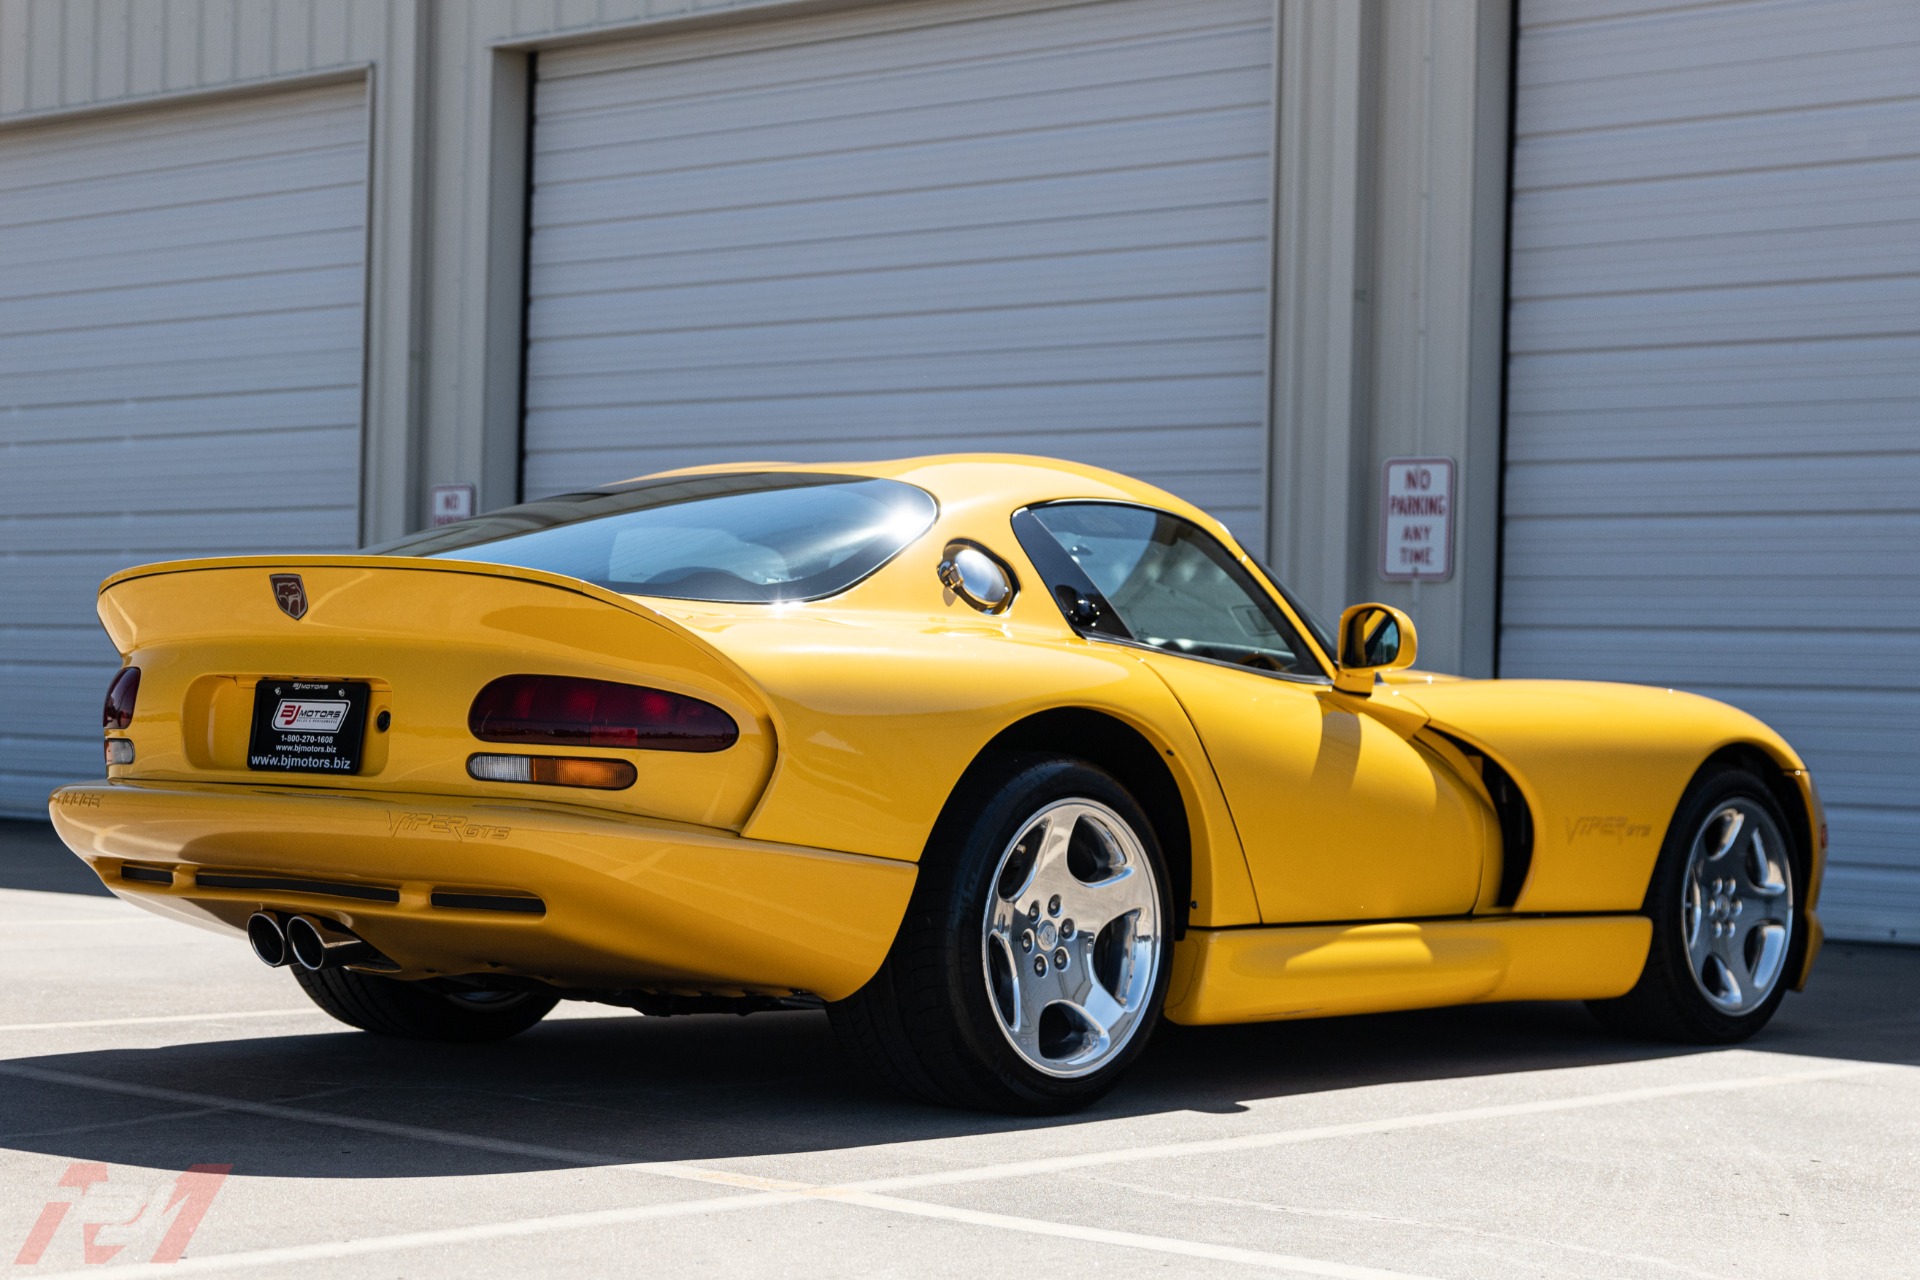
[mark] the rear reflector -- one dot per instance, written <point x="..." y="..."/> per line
<point x="121" y="695"/>
<point x="567" y="711"/>
<point x="553" y="771"/>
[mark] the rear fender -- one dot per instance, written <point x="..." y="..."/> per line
<point x="880" y="720"/>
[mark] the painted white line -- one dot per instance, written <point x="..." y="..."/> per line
<point x="1390" y="1124"/>
<point x="158" y="1020"/>
<point x="763" y="1192"/>
<point x="262" y="1259"/>
<point x="411" y="1132"/>
<point x="259" y="1259"/>
<point x="1419" y="1224"/>
<point x="1121" y="1239"/>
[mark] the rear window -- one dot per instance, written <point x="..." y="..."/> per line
<point x="758" y="538"/>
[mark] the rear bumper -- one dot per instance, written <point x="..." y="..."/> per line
<point x="443" y="886"/>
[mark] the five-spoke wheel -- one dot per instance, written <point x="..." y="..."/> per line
<point x="1723" y="908"/>
<point x="1033" y="961"/>
<point x="1738" y="913"/>
<point x="1072" y="937"/>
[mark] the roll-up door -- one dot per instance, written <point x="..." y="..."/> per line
<point x="1713" y="467"/>
<point x="180" y="358"/>
<point x="907" y="229"/>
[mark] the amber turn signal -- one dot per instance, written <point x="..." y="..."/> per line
<point x="553" y="771"/>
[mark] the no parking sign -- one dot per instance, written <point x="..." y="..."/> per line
<point x="1416" y="520"/>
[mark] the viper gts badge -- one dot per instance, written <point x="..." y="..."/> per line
<point x="290" y="594"/>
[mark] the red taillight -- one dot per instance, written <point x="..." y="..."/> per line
<point x="121" y="695"/>
<point x="567" y="711"/>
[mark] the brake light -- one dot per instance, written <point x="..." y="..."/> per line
<point x="121" y="695"/>
<point x="568" y="711"/>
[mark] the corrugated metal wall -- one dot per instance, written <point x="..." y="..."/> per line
<point x="64" y="53"/>
<point x="442" y="302"/>
<point x="1714" y="438"/>
<point x="1046" y="232"/>
<point x="180" y="368"/>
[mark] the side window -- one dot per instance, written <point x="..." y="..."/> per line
<point x="1163" y="581"/>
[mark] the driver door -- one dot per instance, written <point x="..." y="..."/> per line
<point x="1342" y="815"/>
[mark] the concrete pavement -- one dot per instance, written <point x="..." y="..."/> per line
<point x="1499" y="1141"/>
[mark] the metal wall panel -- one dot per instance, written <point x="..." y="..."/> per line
<point x="1713" y="462"/>
<point x="67" y="53"/>
<point x="181" y="314"/>
<point x="937" y="228"/>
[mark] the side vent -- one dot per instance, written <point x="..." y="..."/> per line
<point x="1516" y="831"/>
<point x="1516" y="820"/>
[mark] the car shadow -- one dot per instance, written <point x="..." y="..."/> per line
<point x="32" y="857"/>
<point x="582" y="1092"/>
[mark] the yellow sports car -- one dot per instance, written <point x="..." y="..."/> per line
<point x="999" y="758"/>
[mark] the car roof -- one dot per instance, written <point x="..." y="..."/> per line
<point x="1017" y="478"/>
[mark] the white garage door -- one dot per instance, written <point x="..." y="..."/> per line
<point x="933" y="228"/>
<point x="1714" y="445"/>
<point x="180" y="355"/>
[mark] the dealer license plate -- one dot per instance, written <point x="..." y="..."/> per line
<point x="308" y="726"/>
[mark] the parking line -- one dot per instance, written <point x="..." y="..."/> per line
<point x="1390" y="1124"/>
<point x="258" y="1259"/>
<point x="411" y="1132"/>
<point x="158" y="1019"/>
<point x="766" y="1192"/>
<point x="1122" y="1239"/>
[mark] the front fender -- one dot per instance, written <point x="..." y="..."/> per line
<point x="1602" y="767"/>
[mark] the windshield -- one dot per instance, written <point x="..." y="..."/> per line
<point x="757" y="538"/>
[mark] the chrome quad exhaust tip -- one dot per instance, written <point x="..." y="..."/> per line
<point x="268" y="938"/>
<point x="320" y="944"/>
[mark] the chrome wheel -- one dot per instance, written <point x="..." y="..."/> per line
<point x="1072" y="938"/>
<point x="1737" y="917"/>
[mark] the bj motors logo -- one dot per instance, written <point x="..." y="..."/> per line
<point x="298" y="714"/>
<point x="127" y="1217"/>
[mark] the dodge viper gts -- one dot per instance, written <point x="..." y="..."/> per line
<point x="999" y="759"/>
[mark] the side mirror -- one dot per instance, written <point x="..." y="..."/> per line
<point x="1373" y="638"/>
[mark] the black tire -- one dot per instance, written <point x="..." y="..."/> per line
<point x="417" y="1011"/>
<point x="1669" y="1002"/>
<point x="926" y="1023"/>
